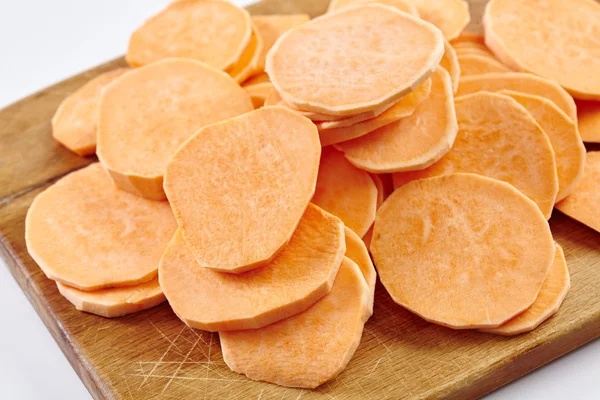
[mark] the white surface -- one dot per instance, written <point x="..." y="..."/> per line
<point x="43" y="42"/>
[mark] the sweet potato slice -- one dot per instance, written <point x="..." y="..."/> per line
<point x="248" y="63"/>
<point x="582" y="204"/>
<point x="346" y="191"/>
<point x="414" y="142"/>
<point x="115" y="302"/>
<point x="549" y="299"/>
<point x="84" y="232"/>
<point x="307" y="349"/>
<point x="478" y="65"/>
<point x="187" y="28"/>
<point x="258" y="93"/>
<point x="471" y="45"/>
<point x="403" y="108"/>
<point x="451" y="16"/>
<point x="569" y="150"/>
<point x="555" y="39"/>
<point x="450" y="63"/>
<point x="258" y="78"/>
<point x="74" y="123"/>
<point x="256" y="174"/>
<point x="402" y="5"/>
<point x="354" y="119"/>
<point x="357" y="252"/>
<point x="471" y="37"/>
<point x="462" y="250"/>
<point x="381" y="196"/>
<point x="588" y="115"/>
<point x="301" y="274"/>
<point x="325" y="67"/>
<point x="498" y="138"/>
<point x="520" y="82"/>
<point x="145" y="115"/>
<point x="467" y="51"/>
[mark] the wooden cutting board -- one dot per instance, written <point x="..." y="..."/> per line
<point x="152" y="355"/>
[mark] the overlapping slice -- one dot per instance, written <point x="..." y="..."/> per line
<point x="238" y="188"/>
<point x="215" y="32"/>
<point x="549" y="299"/>
<point x="330" y="65"/>
<point x="356" y="250"/>
<point x="115" y="302"/>
<point x="74" y="123"/>
<point x="451" y="16"/>
<point x="476" y="65"/>
<point x="248" y="63"/>
<point x="583" y="204"/>
<point x="403" y="108"/>
<point x="402" y="5"/>
<point x="498" y="138"/>
<point x="414" y="142"/>
<point x="450" y="63"/>
<point x="258" y="93"/>
<point x="462" y="250"/>
<point x="302" y="273"/>
<point x="145" y="115"/>
<point x="569" y="151"/>
<point x="588" y="115"/>
<point x="84" y="232"/>
<point x="346" y="191"/>
<point x="520" y="82"/>
<point x="258" y="78"/>
<point x="310" y="348"/>
<point x="555" y="39"/>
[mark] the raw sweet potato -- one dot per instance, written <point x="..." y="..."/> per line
<point x="402" y="5"/>
<point x="238" y="188"/>
<point x="477" y="65"/>
<point x="84" y="232"/>
<point x="358" y="252"/>
<point x="462" y="250"/>
<point x="248" y="63"/>
<point x="302" y="273"/>
<point x="258" y="93"/>
<point x="310" y="348"/>
<point x="450" y="63"/>
<point x="258" y="78"/>
<point x="146" y="114"/>
<point x="588" y="114"/>
<point x="451" y="16"/>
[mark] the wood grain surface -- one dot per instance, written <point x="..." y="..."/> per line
<point x="152" y="355"/>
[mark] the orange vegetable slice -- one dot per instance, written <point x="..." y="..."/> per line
<point x="582" y="204"/>
<point x="414" y="142"/>
<point x="476" y="65"/>
<point x="346" y="191"/>
<point x="553" y="292"/>
<point x="476" y="45"/>
<point x="145" y="115"/>
<point x="74" y="123"/>
<point x="556" y="40"/>
<point x="498" y="138"/>
<point x="322" y="66"/>
<point x="84" y="232"/>
<point x="302" y="273"/>
<point x="291" y="352"/>
<point x="451" y="16"/>
<point x="115" y="302"/>
<point x="258" y="78"/>
<point x="405" y="107"/>
<point x="471" y="37"/>
<point x="186" y="28"/>
<point x="256" y="173"/>
<point x="462" y="250"/>
<point x="381" y="196"/>
<point x="357" y="252"/>
<point x="588" y="115"/>
<point x="258" y="93"/>
<point x="520" y="82"/>
<point x="569" y="150"/>
<point x="467" y="51"/>
<point x="402" y="5"/>
<point x="450" y="63"/>
<point x="248" y="63"/>
<point x="353" y="120"/>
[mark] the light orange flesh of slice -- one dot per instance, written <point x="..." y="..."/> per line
<point x="478" y="65"/>
<point x="588" y="115"/>
<point x="248" y="63"/>
<point x="85" y="233"/>
<point x="238" y="188"/>
<point x="258" y="93"/>
<point x="292" y="352"/>
<point x="258" y="78"/>
<point x="402" y="5"/>
<point x="462" y="261"/>
<point x="553" y="292"/>
<point x="451" y="16"/>
<point x="357" y="251"/>
<point x="302" y="273"/>
<point x="450" y="63"/>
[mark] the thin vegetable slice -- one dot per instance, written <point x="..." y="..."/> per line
<point x="310" y="348"/>
<point x="402" y="5"/>
<point x="478" y="65"/>
<point x="450" y="63"/>
<point x="258" y="78"/>
<point x="248" y="63"/>
<point x="357" y="252"/>
<point x="588" y="114"/>
<point x="238" y="188"/>
<point x="451" y="16"/>
<point x="258" y="93"/>
<point x="462" y="261"/>
<point x="302" y="273"/>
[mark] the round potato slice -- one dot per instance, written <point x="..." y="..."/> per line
<point x="414" y="142"/>
<point x="238" y="188"/>
<point x="520" y="82"/>
<point x="582" y="204"/>
<point x="476" y="65"/>
<point x="115" y="302"/>
<point x="588" y="115"/>
<point x="85" y="233"/>
<point x="307" y="349"/>
<point x="346" y="191"/>
<point x="300" y="275"/>
<point x="212" y="31"/>
<point x="328" y="65"/>
<point x="145" y="115"/>
<point x="402" y="5"/>
<point x="498" y="138"/>
<point x="258" y="93"/>
<point x="569" y="150"/>
<point x="462" y="250"/>
<point x="450" y="63"/>
<point x="473" y="51"/>
<point x="553" y="292"/>
<point x="555" y="39"/>
<point x="356" y="250"/>
<point x="451" y="16"/>
<point x="248" y="63"/>
<point x="74" y="123"/>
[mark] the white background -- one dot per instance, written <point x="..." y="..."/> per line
<point x="43" y="42"/>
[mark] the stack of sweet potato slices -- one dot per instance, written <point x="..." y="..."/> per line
<point x="258" y="181"/>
